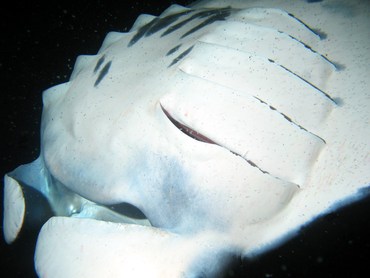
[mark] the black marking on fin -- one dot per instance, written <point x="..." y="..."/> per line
<point x="173" y="50"/>
<point x="202" y="14"/>
<point x="141" y="32"/>
<point x="177" y="26"/>
<point x="213" y="12"/>
<point x="289" y="119"/>
<point x="164" y="22"/>
<point x="103" y="73"/>
<point x="317" y="32"/>
<point x="181" y="56"/>
<point x="99" y="63"/>
<point x="154" y="26"/>
<point x="218" y="16"/>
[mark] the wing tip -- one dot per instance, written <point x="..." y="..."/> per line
<point x="14" y="209"/>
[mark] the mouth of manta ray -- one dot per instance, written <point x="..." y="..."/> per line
<point x="117" y="213"/>
<point x="187" y="130"/>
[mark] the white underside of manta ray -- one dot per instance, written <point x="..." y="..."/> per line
<point x="210" y="131"/>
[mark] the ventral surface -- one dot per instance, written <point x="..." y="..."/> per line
<point x="211" y="131"/>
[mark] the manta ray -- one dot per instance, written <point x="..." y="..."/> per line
<point x="209" y="132"/>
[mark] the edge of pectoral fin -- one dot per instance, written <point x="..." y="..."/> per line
<point x="14" y="209"/>
<point x="24" y="199"/>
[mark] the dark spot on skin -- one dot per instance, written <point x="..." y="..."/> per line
<point x="164" y="22"/>
<point x="141" y="32"/>
<point x="320" y="33"/>
<point x="154" y="26"/>
<point x="103" y="73"/>
<point x="337" y="66"/>
<point x="177" y="26"/>
<point x="173" y="50"/>
<point x="317" y="32"/>
<point x="202" y="14"/>
<point x="339" y="101"/>
<point x="218" y="16"/>
<point x="181" y="56"/>
<point x="99" y="63"/>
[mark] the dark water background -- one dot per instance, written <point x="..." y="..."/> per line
<point x="39" y="42"/>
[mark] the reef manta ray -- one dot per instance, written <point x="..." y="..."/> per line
<point x="210" y="131"/>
